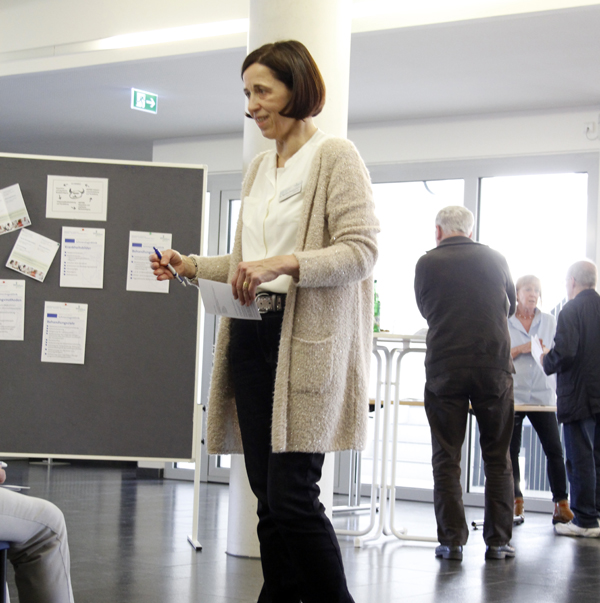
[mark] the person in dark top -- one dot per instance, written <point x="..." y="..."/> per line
<point x="465" y="292"/>
<point x="575" y="358"/>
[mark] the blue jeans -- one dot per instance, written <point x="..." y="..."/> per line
<point x="300" y="554"/>
<point x="582" y="447"/>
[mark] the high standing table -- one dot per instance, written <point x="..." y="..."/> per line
<point x="383" y="488"/>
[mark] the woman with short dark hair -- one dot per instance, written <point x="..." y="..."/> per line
<point x="293" y="386"/>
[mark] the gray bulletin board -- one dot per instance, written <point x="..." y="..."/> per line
<point x="134" y="398"/>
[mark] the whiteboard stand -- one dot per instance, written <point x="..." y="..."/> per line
<point x="193" y="539"/>
<point x="49" y="463"/>
<point x="199" y="409"/>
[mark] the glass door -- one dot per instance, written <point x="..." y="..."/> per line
<point x="406" y="211"/>
<point x="229" y="210"/>
<point x="540" y="224"/>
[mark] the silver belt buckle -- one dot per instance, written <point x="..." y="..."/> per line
<point x="264" y="303"/>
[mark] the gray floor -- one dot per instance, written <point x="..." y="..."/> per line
<point x="128" y="541"/>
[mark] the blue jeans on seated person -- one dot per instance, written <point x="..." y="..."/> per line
<point x="582" y="447"/>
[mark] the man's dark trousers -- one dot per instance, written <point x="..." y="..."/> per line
<point x="447" y="397"/>
<point x="582" y="446"/>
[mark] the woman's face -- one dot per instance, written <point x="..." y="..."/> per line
<point x="267" y="96"/>
<point x="528" y="296"/>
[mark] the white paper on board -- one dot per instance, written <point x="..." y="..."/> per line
<point x="75" y="198"/>
<point x="32" y="255"/>
<point x="12" y="310"/>
<point x="218" y="299"/>
<point x="82" y="257"/>
<point x="65" y="328"/>
<point x="139" y="273"/>
<point x="13" y="212"/>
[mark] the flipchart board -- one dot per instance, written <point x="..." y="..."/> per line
<point x="133" y="398"/>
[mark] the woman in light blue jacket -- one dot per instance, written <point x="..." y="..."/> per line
<point x="531" y="387"/>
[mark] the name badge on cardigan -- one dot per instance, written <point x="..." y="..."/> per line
<point x="285" y="194"/>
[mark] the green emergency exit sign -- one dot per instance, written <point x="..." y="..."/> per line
<point x="144" y="101"/>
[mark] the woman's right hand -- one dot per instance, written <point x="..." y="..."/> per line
<point x="520" y="349"/>
<point x="159" y="267"/>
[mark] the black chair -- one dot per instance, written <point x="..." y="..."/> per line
<point x="3" y="588"/>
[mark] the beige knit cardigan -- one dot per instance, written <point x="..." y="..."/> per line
<point x="320" y="400"/>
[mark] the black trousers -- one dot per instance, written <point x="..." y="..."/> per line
<point x="300" y="554"/>
<point x="546" y="427"/>
<point x="447" y="397"/>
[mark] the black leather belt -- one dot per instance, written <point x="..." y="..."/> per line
<point x="270" y="302"/>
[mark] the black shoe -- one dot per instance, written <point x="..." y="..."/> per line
<point x="449" y="552"/>
<point x="499" y="552"/>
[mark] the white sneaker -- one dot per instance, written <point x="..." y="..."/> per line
<point x="570" y="529"/>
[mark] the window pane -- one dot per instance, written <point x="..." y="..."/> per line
<point x="234" y="213"/>
<point x="539" y="224"/>
<point x="406" y="211"/>
<point x="223" y="461"/>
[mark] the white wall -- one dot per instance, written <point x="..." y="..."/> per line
<point x="475" y="137"/>
<point x="224" y="152"/>
<point x="509" y="135"/>
<point x="420" y="141"/>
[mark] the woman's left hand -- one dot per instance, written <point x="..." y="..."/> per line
<point x="249" y="275"/>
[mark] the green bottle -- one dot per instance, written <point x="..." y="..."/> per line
<point x="377" y="311"/>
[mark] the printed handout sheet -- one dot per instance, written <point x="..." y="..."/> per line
<point x="32" y="255"/>
<point x="65" y="328"/>
<point x="12" y="310"/>
<point x="139" y="274"/>
<point x="537" y="351"/>
<point x="13" y="212"/>
<point x="218" y="299"/>
<point x="82" y="257"/>
<point x="75" y="198"/>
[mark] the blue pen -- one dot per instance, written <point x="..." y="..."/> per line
<point x="173" y="271"/>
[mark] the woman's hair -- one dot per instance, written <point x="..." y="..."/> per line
<point x="529" y="279"/>
<point x="455" y="218"/>
<point x="292" y="64"/>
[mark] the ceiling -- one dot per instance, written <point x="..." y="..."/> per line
<point x="533" y="62"/>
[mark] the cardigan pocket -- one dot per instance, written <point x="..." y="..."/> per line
<point x="311" y="365"/>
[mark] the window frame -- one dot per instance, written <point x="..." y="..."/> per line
<point x="472" y="171"/>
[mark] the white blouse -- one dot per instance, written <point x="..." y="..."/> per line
<point x="271" y="212"/>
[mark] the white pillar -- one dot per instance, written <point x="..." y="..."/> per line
<point x="241" y="522"/>
<point x="324" y="27"/>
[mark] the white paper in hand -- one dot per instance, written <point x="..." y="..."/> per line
<point x="218" y="299"/>
<point x="536" y="351"/>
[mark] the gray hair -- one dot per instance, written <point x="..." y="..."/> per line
<point x="455" y="218"/>
<point x="584" y="273"/>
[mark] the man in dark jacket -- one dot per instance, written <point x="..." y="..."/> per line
<point x="465" y="291"/>
<point x="575" y="358"/>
